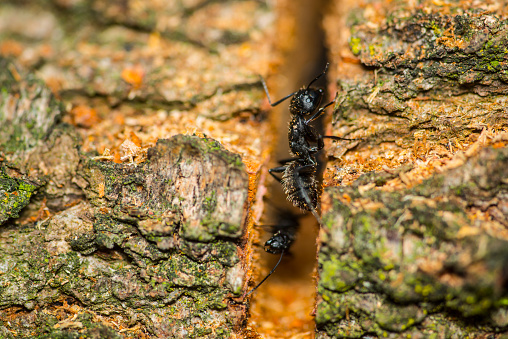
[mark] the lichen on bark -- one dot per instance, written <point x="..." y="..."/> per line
<point x="140" y="247"/>
<point x="415" y="247"/>
<point x="15" y="195"/>
<point x="414" y="242"/>
<point x="153" y="247"/>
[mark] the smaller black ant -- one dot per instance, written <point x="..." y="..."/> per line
<point x="305" y="102"/>
<point x="284" y="234"/>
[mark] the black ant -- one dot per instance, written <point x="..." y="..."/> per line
<point x="283" y="236"/>
<point x="305" y="102"/>
<point x="299" y="173"/>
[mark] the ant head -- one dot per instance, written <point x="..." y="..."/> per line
<point x="278" y="243"/>
<point x="306" y="101"/>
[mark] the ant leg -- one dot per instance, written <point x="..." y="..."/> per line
<point x="321" y="144"/>
<point x="305" y="169"/>
<point x="319" y="112"/>
<point x="340" y="138"/>
<point x="269" y="274"/>
<point x="268" y="95"/>
<point x="285" y="161"/>
<point x="320" y="75"/>
<point x="279" y="169"/>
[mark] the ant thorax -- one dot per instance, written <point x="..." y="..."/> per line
<point x="300" y="133"/>
<point x="306" y="101"/>
<point x="299" y="136"/>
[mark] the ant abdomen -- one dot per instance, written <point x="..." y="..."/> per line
<point x="300" y="185"/>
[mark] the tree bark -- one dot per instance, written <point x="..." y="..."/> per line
<point x="415" y="242"/>
<point x="129" y="175"/>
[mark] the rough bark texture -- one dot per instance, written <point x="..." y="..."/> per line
<point x="410" y="262"/>
<point x="152" y="244"/>
<point x="416" y="244"/>
<point x="114" y="223"/>
<point x="28" y="112"/>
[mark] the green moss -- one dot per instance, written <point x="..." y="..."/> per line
<point x="427" y="290"/>
<point x="210" y="202"/>
<point x="380" y="271"/>
<point x="503" y="302"/>
<point x="185" y="272"/>
<point x="91" y="329"/>
<point x="355" y="45"/>
<point x="338" y="275"/>
<point x="15" y="194"/>
<point x="372" y="50"/>
<point x="227" y="253"/>
<point x="184" y="260"/>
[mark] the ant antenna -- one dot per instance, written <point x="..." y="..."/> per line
<point x="320" y="75"/>
<point x="291" y="94"/>
<point x="268" y="94"/>
<point x="269" y="274"/>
